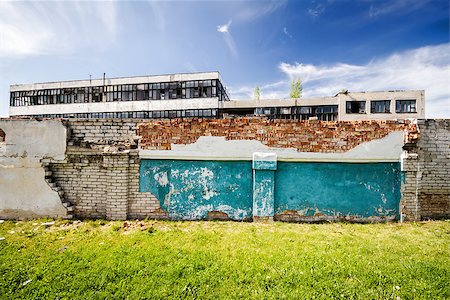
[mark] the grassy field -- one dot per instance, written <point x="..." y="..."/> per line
<point x="223" y="260"/>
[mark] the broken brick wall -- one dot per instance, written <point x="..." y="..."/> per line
<point x="305" y="136"/>
<point x="426" y="190"/>
<point x="101" y="173"/>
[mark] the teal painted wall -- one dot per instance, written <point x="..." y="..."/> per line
<point x="190" y="189"/>
<point x="371" y="189"/>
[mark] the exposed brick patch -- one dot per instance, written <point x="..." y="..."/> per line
<point x="293" y="216"/>
<point x="217" y="215"/>
<point x="305" y="136"/>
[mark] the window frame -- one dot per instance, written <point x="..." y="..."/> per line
<point x="387" y="106"/>
<point x="398" y="108"/>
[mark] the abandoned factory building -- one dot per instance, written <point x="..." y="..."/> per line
<point x="198" y="95"/>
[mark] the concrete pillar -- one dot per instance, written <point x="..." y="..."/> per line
<point x="264" y="166"/>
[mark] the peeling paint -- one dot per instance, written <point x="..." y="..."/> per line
<point x="316" y="191"/>
<point x="195" y="188"/>
<point x="161" y="178"/>
<point x="338" y="189"/>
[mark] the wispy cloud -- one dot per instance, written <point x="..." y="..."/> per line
<point x="316" y="10"/>
<point x="28" y="28"/>
<point x="158" y="13"/>
<point x="246" y="12"/>
<point x="384" y="8"/>
<point x="286" y="32"/>
<point x="426" y="68"/>
<point x="258" y="9"/>
<point x="225" y="30"/>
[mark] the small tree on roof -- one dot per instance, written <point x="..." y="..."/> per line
<point x="257" y="93"/>
<point x="296" y="88"/>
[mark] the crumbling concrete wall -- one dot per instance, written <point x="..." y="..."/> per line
<point x="24" y="190"/>
<point x="426" y="165"/>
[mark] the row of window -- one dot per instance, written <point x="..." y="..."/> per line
<point x="130" y="92"/>
<point x="381" y="106"/>
<point x="164" y="114"/>
<point x="323" y="113"/>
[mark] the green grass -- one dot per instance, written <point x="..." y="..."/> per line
<point x="224" y="260"/>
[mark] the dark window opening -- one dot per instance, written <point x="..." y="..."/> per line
<point x="323" y="113"/>
<point x="356" y="107"/>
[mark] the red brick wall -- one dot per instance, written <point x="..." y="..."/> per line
<point x="305" y="136"/>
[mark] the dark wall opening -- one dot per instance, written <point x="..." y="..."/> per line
<point x="2" y="136"/>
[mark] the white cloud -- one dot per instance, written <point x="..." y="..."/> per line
<point x="268" y="91"/>
<point x="225" y="30"/>
<point x="426" y="68"/>
<point x="28" y="28"/>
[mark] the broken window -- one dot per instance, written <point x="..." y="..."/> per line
<point x="405" y="106"/>
<point x="285" y="110"/>
<point x="126" y="92"/>
<point x="141" y="92"/>
<point x="380" y="106"/>
<point x="356" y="107"/>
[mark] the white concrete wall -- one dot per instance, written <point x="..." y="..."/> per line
<point x="419" y="96"/>
<point x="119" y="106"/>
<point x="24" y="193"/>
<point x="341" y="100"/>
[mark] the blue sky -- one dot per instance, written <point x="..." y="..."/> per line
<point x="360" y="45"/>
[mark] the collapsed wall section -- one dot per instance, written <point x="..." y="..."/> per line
<point x="100" y="175"/>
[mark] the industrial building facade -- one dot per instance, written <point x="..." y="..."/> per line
<point x="198" y="95"/>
